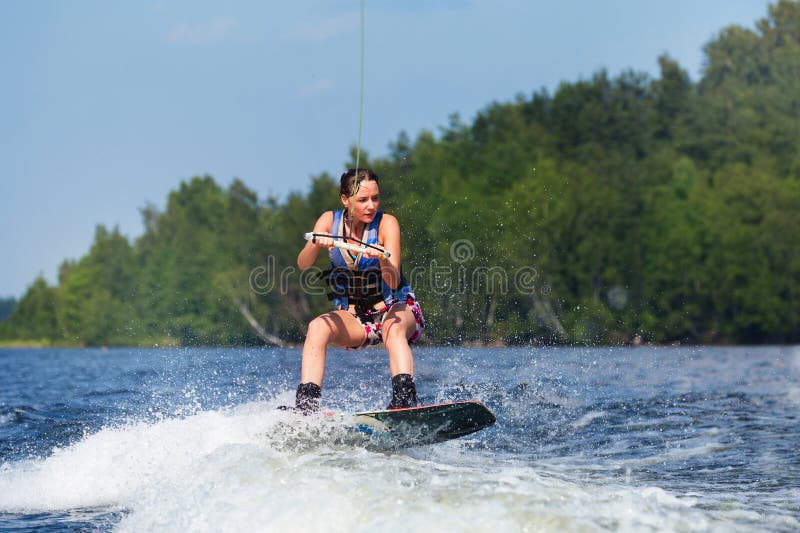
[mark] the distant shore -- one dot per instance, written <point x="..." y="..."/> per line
<point x="170" y="343"/>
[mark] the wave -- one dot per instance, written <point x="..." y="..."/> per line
<point x="253" y="467"/>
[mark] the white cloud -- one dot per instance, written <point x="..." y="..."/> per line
<point x="214" y="30"/>
<point x="318" y="86"/>
<point x="322" y="30"/>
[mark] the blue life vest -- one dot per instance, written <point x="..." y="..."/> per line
<point x="366" y="274"/>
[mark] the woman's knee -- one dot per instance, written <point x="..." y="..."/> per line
<point x="395" y="329"/>
<point x="319" y="329"/>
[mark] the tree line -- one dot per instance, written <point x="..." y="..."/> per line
<point x="613" y="208"/>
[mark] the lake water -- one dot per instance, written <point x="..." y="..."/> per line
<point x="587" y="439"/>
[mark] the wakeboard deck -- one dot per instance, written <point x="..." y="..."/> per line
<point x="425" y="424"/>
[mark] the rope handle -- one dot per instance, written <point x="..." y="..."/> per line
<point x="347" y="246"/>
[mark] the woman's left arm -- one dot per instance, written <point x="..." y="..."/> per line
<point x="389" y="235"/>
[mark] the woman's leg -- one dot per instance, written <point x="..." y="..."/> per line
<point x="336" y="327"/>
<point x="399" y="325"/>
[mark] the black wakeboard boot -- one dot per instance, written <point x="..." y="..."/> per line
<point x="306" y="400"/>
<point x="404" y="392"/>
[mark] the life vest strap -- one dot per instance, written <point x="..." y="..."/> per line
<point x="364" y="289"/>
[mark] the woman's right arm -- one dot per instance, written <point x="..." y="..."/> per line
<point x="309" y="253"/>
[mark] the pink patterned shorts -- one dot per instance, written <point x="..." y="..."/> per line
<point x="373" y="323"/>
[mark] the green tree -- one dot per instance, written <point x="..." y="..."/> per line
<point x="6" y="307"/>
<point x="34" y="317"/>
<point x="97" y="295"/>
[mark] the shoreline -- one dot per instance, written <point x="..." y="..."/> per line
<point x="39" y="345"/>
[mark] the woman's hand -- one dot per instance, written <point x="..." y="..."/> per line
<point x="323" y="242"/>
<point x="310" y="251"/>
<point x="372" y="253"/>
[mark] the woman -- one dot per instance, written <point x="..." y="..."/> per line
<point x="373" y="302"/>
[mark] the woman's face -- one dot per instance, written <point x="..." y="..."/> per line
<point x="365" y="203"/>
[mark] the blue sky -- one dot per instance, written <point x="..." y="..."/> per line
<point x="106" y="106"/>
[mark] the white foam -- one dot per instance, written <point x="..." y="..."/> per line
<point x="587" y="419"/>
<point x="109" y="467"/>
<point x="244" y="489"/>
<point x="253" y="468"/>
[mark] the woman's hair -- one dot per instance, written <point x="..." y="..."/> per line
<point x="351" y="180"/>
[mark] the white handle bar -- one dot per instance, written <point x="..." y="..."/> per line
<point x="346" y="246"/>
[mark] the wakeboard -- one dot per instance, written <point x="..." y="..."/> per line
<point x="425" y="424"/>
